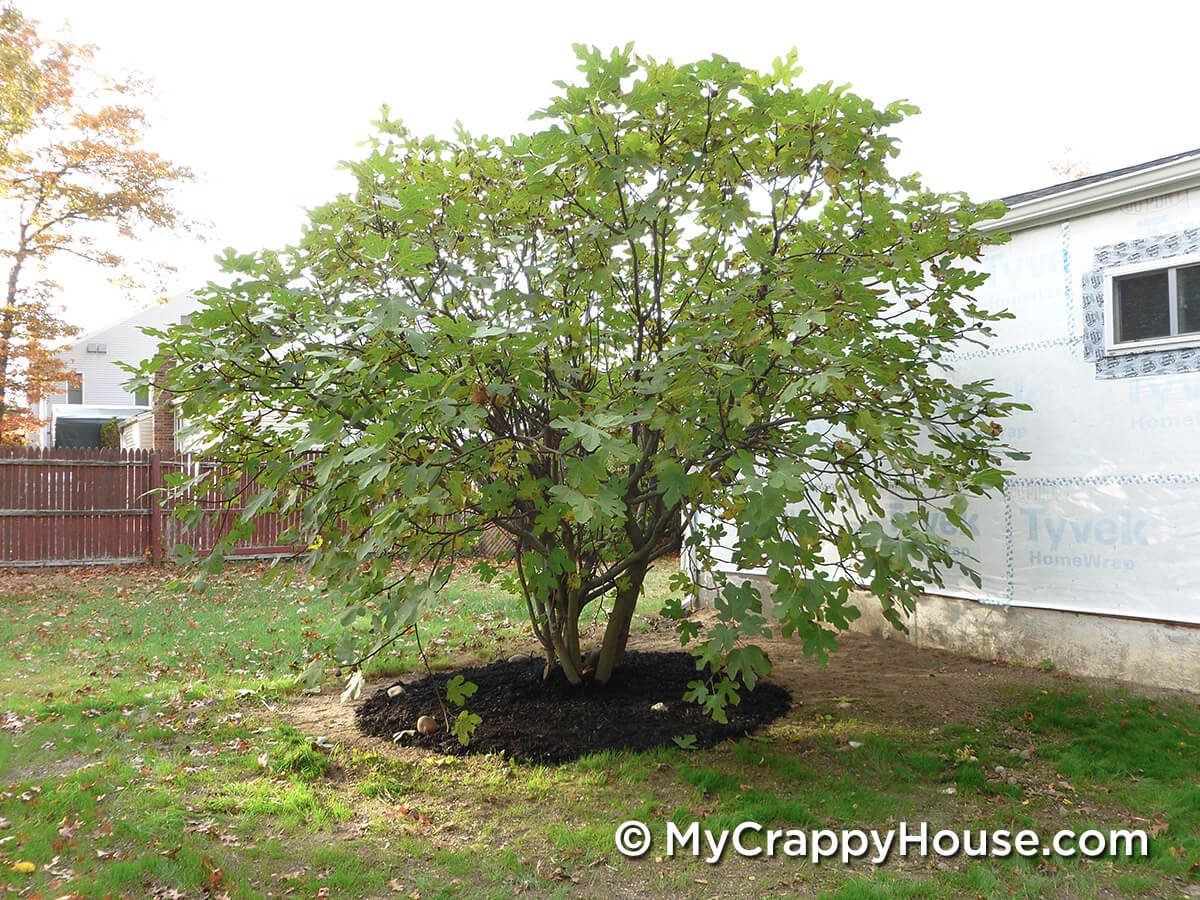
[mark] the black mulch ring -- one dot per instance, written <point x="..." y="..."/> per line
<point x="551" y="721"/>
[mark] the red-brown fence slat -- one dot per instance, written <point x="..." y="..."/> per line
<point x="96" y="505"/>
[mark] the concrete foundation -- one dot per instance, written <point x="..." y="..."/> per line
<point x="1152" y="653"/>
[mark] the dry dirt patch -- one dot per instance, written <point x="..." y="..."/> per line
<point x="880" y="680"/>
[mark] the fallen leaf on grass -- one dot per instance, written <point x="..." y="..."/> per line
<point x="555" y="874"/>
<point x="209" y="828"/>
<point x="10" y="721"/>
<point x="24" y="866"/>
<point x="413" y="815"/>
<point x="64" y="873"/>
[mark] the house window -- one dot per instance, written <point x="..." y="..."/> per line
<point x="75" y="389"/>
<point x="1150" y="305"/>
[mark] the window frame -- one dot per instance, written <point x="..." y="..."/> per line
<point x="1163" y="264"/>
<point x="72" y="389"/>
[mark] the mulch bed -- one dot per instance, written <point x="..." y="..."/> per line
<point x="552" y="721"/>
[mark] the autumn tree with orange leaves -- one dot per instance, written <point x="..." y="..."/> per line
<point x="74" y="179"/>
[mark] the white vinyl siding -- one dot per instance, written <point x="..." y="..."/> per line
<point x="103" y="378"/>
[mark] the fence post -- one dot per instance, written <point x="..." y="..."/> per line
<point x="155" y="509"/>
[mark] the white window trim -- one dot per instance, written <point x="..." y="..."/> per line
<point x="1111" y="347"/>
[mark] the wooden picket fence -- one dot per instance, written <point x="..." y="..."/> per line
<point x="73" y="507"/>
<point x="92" y="507"/>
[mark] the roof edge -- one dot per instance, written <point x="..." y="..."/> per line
<point x="84" y="338"/>
<point x="1123" y="186"/>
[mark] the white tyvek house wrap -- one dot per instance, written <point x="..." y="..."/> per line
<point x="1105" y="516"/>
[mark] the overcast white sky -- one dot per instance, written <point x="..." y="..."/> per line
<point x="262" y="98"/>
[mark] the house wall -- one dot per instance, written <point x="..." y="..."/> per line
<point x="103" y="379"/>
<point x="1105" y="516"/>
<point x="138" y="434"/>
<point x="1104" y="520"/>
<point x="1161" y="654"/>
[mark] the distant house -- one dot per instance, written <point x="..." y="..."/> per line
<point x="98" y="394"/>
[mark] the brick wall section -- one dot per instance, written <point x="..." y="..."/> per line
<point x="164" y="419"/>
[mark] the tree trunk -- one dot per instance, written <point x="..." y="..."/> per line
<point x="616" y="634"/>
<point x="7" y="326"/>
<point x="568" y="664"/>
<point x="571" y="632"/>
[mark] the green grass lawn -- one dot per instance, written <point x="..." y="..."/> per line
<point x="144" y="749"/>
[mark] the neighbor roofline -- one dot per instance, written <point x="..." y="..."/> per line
<point x="117" y="323"/>
<point x="1096" y="194"/>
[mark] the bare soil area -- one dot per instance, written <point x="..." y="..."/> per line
<point x="883" y="680"/>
